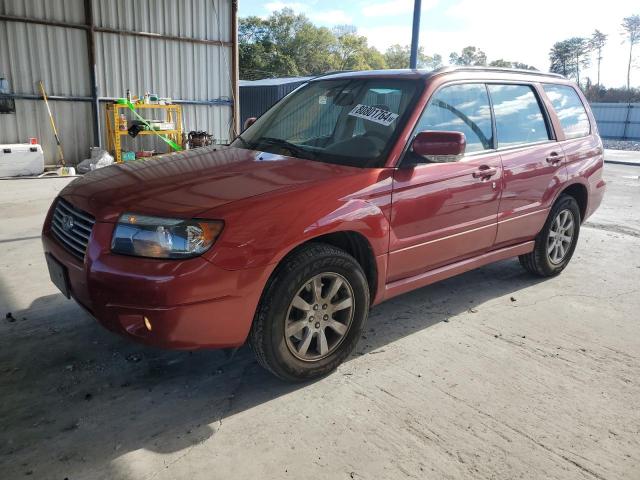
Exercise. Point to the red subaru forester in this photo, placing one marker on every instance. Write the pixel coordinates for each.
(355, 188)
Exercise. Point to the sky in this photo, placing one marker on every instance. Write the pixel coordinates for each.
(511, 30)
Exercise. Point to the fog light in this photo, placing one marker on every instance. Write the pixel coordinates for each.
(147, 323)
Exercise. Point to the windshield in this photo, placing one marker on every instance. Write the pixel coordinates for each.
(346, 121)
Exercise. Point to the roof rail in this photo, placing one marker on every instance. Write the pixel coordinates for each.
(455, 68)
(330, 72)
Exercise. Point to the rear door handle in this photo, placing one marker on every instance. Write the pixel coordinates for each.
(485, 172)
(554, 158)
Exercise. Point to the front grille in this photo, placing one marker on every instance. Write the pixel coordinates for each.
(72, 227)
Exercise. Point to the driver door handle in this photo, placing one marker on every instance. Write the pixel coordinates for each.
(485, 172)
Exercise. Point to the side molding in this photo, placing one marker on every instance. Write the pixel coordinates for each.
(407, 284)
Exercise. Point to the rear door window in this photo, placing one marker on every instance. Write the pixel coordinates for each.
(461, 108)
(519, 118)
(573, 117)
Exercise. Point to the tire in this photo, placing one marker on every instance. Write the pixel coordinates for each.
(546, 260)
(294, 284)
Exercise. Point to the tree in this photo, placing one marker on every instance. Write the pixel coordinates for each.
(569, 56)
(375, 59)
(523, 66)
(279, 45)
(501, 64)
(470, 56)
(432, 62)
(561, 58)
(397, 56)
(352, 52)
(283, 44)
(312, 50)
(506, 64)
(598, 93)
(288, 44)
(252, 49)
(631, 27)
(597, 42)
(580, 49)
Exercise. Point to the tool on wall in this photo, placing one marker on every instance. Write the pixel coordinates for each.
(53, 124)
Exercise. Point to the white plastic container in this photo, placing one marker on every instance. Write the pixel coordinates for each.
(20, 159)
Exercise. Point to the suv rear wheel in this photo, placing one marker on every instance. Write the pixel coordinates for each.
(556, 241)
(311, 313)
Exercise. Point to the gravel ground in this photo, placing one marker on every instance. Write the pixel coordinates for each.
(632, 145)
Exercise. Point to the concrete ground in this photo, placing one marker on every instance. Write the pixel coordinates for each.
(490, 375)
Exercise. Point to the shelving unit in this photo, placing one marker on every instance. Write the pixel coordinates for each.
(173, 113)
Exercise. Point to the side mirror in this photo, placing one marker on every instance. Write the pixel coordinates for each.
(439, 146)
(248, 122)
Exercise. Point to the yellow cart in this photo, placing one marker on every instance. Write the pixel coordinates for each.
(173, 113)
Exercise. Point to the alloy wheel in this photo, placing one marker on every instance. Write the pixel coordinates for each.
(560, 236)
(319, 316)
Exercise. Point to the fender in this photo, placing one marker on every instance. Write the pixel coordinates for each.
(356, 215)
(586, 203)
(261, 231)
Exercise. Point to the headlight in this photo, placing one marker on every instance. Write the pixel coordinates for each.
(156, 237)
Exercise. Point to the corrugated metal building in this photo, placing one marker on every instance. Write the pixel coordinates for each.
(89, 52)
(618, 120)
(256, 96)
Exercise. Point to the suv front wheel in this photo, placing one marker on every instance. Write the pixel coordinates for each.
(556, 241)
(311, 313)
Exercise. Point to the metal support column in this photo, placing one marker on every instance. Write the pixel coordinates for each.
(415, 34)
(91, 51)
(627, 121)
(235, 74)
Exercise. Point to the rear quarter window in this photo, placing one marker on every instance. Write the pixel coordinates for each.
(571, 112)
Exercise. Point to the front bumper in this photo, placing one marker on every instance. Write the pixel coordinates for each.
(190, 304)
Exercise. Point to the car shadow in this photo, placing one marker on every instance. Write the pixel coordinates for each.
(77, 397)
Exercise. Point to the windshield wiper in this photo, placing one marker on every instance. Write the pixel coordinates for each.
(279, 142)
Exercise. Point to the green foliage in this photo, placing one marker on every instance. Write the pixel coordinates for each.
(398, 56)
(470, 56)
(598, 93)
(561, 58)
(523, 66)
(285, 44)
(352, 52)
(631, 29)
(597, 42)
(507, 64)
(569, 57)
(500, 63)
(288, 44)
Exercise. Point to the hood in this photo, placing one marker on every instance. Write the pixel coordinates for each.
(189, 183)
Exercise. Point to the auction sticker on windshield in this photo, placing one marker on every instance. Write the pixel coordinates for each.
(374, 114)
